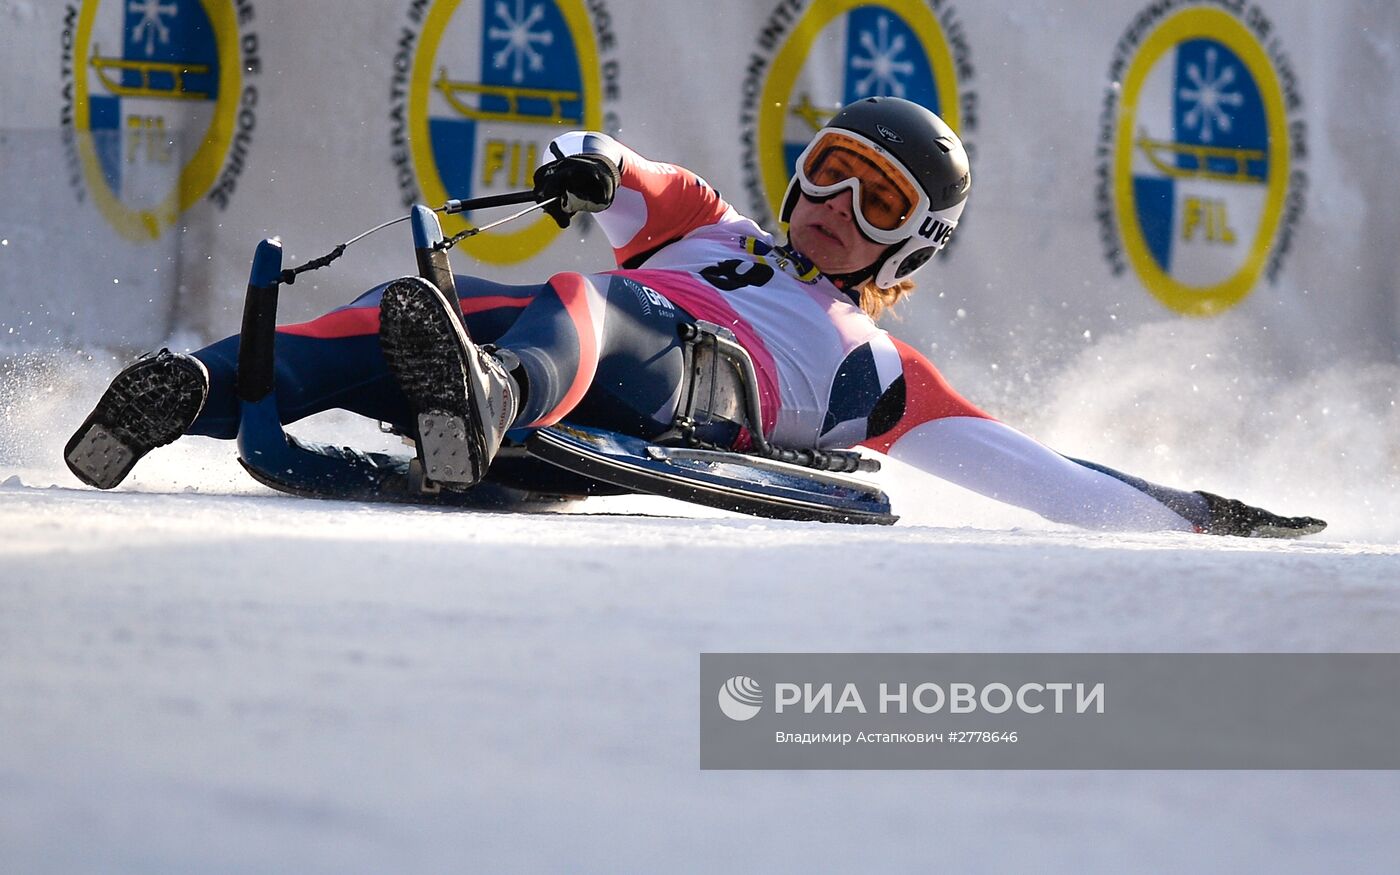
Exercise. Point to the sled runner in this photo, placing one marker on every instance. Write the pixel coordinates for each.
(538, 467)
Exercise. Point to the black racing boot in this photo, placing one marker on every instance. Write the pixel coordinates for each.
(148, 405)
(1231, 517)
(462, 397)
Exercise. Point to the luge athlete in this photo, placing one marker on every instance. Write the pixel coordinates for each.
(874, 196)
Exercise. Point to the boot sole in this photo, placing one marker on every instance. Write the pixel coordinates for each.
(148, 405)
(425, 347)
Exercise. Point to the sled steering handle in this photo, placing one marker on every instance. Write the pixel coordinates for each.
(458, 205)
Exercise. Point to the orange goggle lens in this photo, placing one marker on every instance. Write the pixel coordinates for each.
(887, 194)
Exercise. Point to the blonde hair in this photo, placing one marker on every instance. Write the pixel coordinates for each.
(875, 300)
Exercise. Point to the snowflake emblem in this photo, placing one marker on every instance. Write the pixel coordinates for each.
(1209, 96)
(520, 37)
(151, 23)
(882, 61)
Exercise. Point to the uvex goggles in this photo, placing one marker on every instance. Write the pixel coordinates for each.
(888, 201)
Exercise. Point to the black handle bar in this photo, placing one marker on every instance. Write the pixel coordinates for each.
(491, 200)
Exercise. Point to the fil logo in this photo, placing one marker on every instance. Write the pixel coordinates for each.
(741, 698)
(1202, 151)
(480, 89)
(159, 106)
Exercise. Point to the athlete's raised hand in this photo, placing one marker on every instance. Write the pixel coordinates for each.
(581, 184)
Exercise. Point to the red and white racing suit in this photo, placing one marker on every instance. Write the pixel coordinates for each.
(828, 376)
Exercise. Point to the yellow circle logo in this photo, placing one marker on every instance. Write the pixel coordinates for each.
(1200, 161)
(836, 53)
(490, 84)
(157, 88)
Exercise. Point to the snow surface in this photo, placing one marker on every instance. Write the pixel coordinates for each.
(198, 675)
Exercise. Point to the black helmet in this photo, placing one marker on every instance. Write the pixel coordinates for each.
(904, 144)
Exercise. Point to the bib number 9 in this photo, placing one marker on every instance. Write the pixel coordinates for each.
(734, 274)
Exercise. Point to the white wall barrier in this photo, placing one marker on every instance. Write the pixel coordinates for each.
(1134, 162)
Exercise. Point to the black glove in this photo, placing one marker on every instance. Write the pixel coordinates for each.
(582, 183)
(1231, 517)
